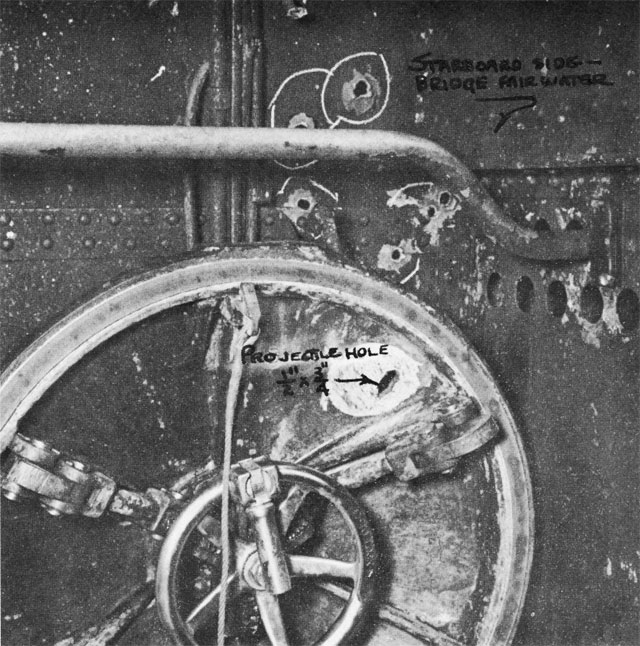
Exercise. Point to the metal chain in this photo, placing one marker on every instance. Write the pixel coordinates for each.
(61, 485)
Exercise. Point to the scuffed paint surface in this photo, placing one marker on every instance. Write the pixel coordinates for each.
(364, 400)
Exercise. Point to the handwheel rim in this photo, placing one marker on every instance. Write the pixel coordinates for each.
(196, 278)
(173, 546)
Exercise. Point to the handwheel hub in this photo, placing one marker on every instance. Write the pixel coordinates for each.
(266, 558)
(252, 572)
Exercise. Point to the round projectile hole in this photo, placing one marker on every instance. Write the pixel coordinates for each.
(574, 225)
(305, 205)
(541, 225)
(628, 309)
(361, 88)
(445, 198)
(395, 254)
(591, 304)
(431, 211)
(557, 298)
(524, 293)
(495, 291)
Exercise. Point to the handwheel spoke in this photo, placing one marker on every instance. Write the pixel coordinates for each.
(117, 621)
(271, 616)
(417, 449)
(313, 566)
(415, 626)
(290, 506)
(367, 436)
(208, 607)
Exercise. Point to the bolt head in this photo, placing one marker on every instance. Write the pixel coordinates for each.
(76, 464)
(13, 491)
(50, 507)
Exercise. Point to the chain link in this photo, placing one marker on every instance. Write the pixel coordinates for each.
(37, 472)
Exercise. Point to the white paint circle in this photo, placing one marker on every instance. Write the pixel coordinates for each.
(340, 118)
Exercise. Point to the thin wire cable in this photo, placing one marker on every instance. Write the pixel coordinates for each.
(239, 337)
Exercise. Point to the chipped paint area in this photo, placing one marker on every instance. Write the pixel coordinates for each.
(608, 570)
(285, 439)
(299, 203)
(630, 570)
(302, 120)
(565, 215)
(574, 283)
(474, 303)
(359, 400)
(435, 207)
(395, 257)
(149, 389)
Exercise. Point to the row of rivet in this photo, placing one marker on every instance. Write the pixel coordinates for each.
(8, 242)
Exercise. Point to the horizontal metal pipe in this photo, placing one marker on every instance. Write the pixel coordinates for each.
(176, 142)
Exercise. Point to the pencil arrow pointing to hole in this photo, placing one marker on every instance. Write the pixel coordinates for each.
(388, 379)
(362, 380)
